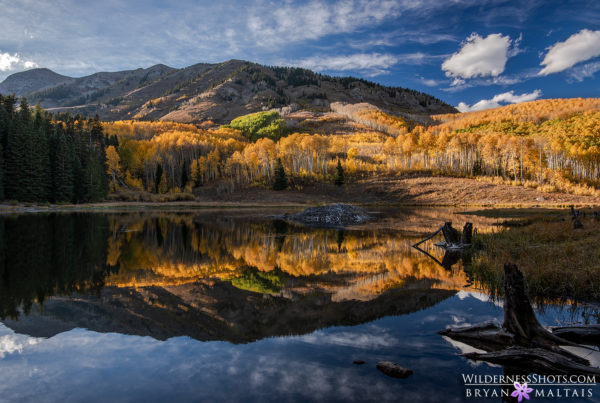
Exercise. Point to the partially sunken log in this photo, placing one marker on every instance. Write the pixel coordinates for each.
(485, 336)
(452, 238)
(522, 339)
(589, 334)
(537, 359)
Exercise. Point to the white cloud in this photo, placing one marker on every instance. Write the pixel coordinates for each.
(579, 47)
(296, 22)
(10, 62)
(11, 342)
(356, 339)
(428, 81)
(480, 57)
(588, 70)
(506, 97)
(515, 49)
(371, 63)
(418, 58)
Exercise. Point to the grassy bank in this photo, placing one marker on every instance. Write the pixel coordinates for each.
(558, 262)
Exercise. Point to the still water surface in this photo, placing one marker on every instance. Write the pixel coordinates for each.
(233, 306)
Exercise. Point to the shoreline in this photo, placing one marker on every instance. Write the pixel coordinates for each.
(6, 209)
(407, 191)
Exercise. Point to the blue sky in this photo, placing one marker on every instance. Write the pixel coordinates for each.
(472, 53)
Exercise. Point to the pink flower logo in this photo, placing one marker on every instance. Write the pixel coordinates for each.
(521, 391)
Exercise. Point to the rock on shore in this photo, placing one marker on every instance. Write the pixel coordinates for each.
(394, 370)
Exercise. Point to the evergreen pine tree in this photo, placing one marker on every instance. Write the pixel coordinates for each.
(1, 172)
(4, 122)
(24, 112)
(338, 179)
(42, 169)
(14, 160)
(92, 179)
(74, 139)
(280, 182)
(77, 170)
(63, 180)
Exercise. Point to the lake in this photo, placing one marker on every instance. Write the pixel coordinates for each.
(219, 305)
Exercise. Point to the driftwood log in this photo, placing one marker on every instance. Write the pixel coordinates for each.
(522, 340)
(452, 238)
(454, 243)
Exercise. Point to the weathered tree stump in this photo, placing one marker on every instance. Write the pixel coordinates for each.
(522, 339)
(575, 217)
(467, 234)
(451, 235)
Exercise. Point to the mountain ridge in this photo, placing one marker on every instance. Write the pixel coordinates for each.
(217, 92)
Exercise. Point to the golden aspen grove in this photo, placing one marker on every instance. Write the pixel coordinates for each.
(552, 145)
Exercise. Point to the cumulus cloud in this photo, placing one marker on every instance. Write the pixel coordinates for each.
(497, 100)
(480, 57)
(579, 47)
(10, 62)
(370, 63)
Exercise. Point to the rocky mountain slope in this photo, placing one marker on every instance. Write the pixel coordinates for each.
(30, 81)
(217, 92)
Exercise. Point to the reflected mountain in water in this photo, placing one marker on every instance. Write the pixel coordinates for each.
(217, 311)
(207, 276)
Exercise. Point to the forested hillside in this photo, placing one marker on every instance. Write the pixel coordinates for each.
(553, 145)
(49, 158)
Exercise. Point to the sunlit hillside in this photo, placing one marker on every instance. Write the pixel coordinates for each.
(553, 145)
(533, 112)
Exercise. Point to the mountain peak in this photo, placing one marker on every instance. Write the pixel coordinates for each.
(27, 81)
(218, 92)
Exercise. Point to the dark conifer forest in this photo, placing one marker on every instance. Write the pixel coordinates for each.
(50, 157)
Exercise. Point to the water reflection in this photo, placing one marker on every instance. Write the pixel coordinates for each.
(42, 256)
(77, 291)
(205, 276)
